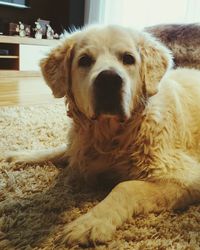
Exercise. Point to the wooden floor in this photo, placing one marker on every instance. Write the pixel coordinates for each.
(25, 91)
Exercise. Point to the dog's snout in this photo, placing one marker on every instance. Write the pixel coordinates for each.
(107, 88)
(108, 79)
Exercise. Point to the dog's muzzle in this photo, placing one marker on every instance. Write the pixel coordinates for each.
(107, 93)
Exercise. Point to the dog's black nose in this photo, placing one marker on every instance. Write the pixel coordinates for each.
(108, 79)
(108, 93)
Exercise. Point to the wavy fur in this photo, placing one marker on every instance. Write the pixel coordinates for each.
(153, 157)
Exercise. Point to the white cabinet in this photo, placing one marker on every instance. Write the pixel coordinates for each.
(23, 55)
(30, 56)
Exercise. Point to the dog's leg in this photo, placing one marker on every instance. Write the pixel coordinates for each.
(37, 156)
(125, 200)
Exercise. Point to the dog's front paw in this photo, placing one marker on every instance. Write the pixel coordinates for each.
(88, 229)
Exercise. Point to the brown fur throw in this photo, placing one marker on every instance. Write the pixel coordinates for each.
(183, 40)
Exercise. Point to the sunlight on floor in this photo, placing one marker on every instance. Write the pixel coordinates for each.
(25, 91)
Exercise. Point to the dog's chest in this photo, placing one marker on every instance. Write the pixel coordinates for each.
(109, 167)
(118, 157)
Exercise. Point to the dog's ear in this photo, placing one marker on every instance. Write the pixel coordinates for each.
(156, 60)
(56, 68)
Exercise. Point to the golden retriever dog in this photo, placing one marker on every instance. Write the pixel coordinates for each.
(135, 122)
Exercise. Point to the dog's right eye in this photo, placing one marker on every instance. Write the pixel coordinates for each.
(85, 61)
(128, 59)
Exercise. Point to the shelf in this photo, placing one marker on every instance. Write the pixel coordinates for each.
(9, 57)
(27, 40)
(23, 55)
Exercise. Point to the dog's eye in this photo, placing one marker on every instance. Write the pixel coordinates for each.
(85, 61)
(128, 59)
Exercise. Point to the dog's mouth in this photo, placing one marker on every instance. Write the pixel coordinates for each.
(108, 108)
(108, 105)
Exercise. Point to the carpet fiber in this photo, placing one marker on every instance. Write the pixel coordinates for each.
(36, 202)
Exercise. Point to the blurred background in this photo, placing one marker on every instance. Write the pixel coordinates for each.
(64, 14)
(142, 13)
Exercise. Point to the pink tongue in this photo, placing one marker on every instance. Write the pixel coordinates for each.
(69, 113)
(115, 118)
(103, 117)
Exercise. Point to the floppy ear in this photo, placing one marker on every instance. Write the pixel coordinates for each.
(156, 60)
(56, 68)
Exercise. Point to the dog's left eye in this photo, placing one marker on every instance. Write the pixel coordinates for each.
(128, 59)
(85, 61)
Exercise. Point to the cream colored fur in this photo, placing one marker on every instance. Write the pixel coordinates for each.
(153, 157)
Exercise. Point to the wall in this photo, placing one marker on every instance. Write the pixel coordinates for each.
(61, 13)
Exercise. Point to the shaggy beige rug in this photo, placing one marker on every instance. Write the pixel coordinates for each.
(36, 202)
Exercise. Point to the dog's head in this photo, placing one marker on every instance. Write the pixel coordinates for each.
(106, 70)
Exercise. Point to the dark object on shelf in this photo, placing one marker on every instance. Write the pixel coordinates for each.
(1, 27)
(4, 52)
(12, 29)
